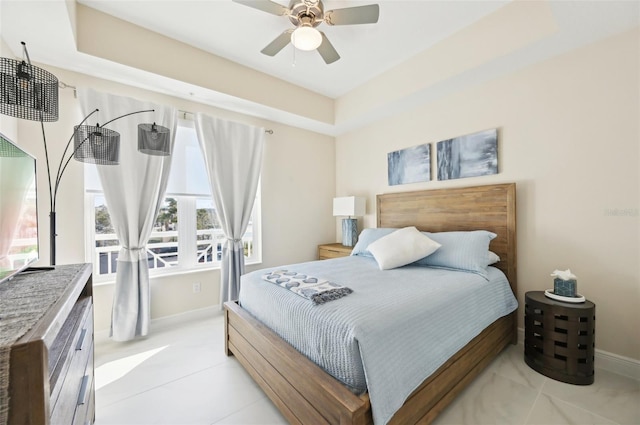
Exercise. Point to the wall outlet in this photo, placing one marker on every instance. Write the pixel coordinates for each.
(196, 287)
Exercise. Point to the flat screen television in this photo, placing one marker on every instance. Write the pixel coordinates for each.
(18, 209)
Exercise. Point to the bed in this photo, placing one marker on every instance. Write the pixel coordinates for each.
(306, 394)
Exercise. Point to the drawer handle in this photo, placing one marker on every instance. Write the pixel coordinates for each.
(83, 390)
(81, 339)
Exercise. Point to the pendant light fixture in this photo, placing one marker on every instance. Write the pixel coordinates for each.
(27, 91)
(154, 139)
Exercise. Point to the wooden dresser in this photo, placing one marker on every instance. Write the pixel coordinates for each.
(51, 365)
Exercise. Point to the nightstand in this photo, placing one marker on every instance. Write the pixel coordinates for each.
(333, 250)
(559, 338)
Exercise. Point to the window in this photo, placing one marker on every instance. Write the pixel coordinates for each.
(186, 235)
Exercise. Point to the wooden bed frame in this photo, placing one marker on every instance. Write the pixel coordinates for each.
(305, 394)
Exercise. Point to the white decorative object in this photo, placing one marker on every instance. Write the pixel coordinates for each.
(349, 206)
(402, 247)
(565, 283)
(577, 299)
(564, 274)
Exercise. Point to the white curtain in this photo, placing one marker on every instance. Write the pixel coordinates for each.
(233, 157)
(134, 191)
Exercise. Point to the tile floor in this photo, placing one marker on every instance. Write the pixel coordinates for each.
(180, 375)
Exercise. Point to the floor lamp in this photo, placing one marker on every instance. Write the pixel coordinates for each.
(349, 206)
(31, 93)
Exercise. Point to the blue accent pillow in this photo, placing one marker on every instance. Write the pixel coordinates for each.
(368, 236)
(467, 251)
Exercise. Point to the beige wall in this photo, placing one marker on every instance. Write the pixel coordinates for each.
(569, 138)
(298, 166)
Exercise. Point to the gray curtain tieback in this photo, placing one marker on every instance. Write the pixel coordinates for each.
(135, 248)
(234, 240)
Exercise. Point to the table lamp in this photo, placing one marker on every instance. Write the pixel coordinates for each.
(349, 206)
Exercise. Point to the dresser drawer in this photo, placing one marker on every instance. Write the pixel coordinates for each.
(334, 250)
(85, 407)
(73, 364)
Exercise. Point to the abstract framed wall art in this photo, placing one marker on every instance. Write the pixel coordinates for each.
(468, 156)
(410, 165)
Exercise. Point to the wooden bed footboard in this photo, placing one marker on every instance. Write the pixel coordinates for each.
(305, 394)
(302, 391)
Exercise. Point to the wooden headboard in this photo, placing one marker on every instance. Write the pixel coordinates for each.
(491, 207)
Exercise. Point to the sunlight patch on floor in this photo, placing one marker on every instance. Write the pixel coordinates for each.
(112, 371)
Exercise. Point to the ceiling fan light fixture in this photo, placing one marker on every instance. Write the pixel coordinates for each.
(306, 38)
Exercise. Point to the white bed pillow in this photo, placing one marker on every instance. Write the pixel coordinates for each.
(493, 258)
(402, 247)
(466, 251)
(368, 236)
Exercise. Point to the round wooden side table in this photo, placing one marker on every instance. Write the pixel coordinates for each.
(559, 338)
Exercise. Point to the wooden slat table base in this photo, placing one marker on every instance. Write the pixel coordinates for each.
(560, 338)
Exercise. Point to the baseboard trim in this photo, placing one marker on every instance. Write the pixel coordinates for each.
(611, 362)
(166, 321)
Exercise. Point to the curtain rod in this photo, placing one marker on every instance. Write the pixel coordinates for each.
(184, 116)
(63, 85)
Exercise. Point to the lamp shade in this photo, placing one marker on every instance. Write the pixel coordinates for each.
(27, 92)
(306, 38)
(154, 139)
(348, 206)
(96, 145)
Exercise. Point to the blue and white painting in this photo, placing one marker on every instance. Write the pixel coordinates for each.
(410, 165)
(468, 156)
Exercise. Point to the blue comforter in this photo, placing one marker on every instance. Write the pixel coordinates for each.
(395, 329)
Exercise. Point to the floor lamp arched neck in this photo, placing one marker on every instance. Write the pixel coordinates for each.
(31, 93)
(92, 144)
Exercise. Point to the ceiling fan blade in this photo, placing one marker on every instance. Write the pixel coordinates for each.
(327, 51)
(353, 15)
(266, 6)
(279, 43)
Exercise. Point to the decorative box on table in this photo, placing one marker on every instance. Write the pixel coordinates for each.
(565, 288)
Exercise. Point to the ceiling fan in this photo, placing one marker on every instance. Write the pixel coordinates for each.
(306, 15)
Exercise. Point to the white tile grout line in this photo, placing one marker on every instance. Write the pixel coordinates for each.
(154, 387)
(541, 392)
(219, 364)
(241, 409)
(584, 410)
(526, 420)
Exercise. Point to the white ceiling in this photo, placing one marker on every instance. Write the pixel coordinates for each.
(238, 33)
